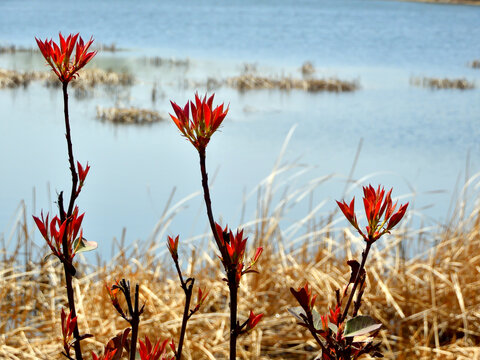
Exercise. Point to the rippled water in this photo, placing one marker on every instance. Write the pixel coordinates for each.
(414, 139)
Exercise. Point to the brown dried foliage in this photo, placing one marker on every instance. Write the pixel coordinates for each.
(428, 304)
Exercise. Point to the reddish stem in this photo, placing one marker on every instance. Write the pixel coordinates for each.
(208, 201)
(233, 287)
(231, 273)
(357, 280)
(187, 287)
(67, 262)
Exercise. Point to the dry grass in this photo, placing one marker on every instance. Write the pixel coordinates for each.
(435, 83)
(428, 304)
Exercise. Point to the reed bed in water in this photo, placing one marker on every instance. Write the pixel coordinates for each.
(130, 115)
(436, 83)
(250, 82)
(13, 79)
(87, 79)
(428, 302)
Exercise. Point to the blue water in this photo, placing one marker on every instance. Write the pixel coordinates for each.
(414, 139)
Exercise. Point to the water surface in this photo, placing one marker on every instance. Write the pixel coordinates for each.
(414, 139)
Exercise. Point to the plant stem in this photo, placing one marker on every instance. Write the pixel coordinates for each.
(231, 272)
(70, 152)
(208, 202)
(357, 280)
(66, 252)
(135, 316)
(188, 297)
(232, 285)
(317, 339)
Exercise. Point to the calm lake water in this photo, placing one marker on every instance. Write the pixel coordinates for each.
(416, 140)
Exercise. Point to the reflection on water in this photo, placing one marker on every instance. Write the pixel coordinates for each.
(414, 139)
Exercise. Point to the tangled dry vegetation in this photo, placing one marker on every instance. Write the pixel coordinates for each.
(435, 83)
(428, 304)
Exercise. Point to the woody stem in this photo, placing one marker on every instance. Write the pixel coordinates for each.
(208, 201)
(233, 287)
(357, 280)
(231, 274)
(188, 289)
(67, 263)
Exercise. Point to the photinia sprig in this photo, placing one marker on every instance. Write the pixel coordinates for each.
(187, 287)
(172, 245)
(201, 296)
(113, 294)
(55, 231)
(253, 320)
(304, 297)
(342, 337)
(233, 248)
(339, 339)
(82, 174)
(379, 211)
(204, 122)
(60, 57)
(63, 233)
(133, 311)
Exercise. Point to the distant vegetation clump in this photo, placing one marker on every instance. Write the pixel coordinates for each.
(128, 115)
(251, 82)
(436, 83)
(13, 79)
(476, 63)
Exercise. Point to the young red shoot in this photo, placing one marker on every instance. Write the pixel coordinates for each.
(60, 57)
(379, 211)
(204, 122)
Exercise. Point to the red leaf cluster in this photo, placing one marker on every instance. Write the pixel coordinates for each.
(234, 252)
(60, 57)
(379, 211)
(204, 122)
(54, 232)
